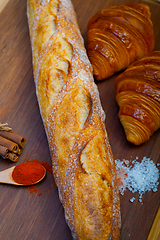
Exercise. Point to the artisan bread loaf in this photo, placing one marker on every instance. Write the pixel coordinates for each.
(83, 164)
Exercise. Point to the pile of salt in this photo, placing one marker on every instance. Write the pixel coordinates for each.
(138, 177)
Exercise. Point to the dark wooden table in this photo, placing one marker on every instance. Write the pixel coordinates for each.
(39, 215)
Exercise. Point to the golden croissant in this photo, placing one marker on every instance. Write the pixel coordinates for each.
(117, 36)
(138, 96)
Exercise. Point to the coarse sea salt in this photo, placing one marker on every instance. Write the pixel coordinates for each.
(137, 177)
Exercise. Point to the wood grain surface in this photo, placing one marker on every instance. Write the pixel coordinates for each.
(27, 215)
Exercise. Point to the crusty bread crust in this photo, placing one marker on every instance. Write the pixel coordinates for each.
(83, 164)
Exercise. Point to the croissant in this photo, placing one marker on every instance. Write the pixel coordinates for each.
(82, 160)
(138, 96)
(117, 36)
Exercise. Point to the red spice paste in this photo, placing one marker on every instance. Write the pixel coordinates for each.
(28, 173)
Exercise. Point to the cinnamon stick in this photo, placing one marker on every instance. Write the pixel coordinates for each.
(13, 147)
(20, 150)
(20, 140)
(4, 151)
(12, 156)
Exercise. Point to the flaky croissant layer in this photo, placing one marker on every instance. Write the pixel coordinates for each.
(138, 96)
(117, 36)
(83, 164)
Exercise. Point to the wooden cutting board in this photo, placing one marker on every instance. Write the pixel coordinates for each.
(37, 213)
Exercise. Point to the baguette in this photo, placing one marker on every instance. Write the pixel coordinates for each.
(83, 164)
